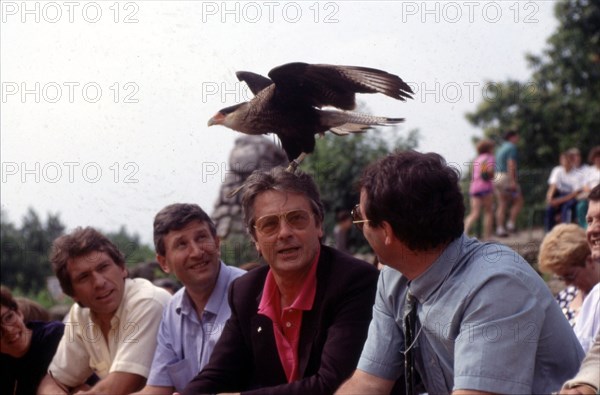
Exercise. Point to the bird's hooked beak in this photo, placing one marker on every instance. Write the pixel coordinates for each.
(217, 119)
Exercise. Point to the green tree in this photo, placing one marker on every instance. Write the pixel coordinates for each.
(130, 245)
(25, 252)
(25, 260)
(558, 107)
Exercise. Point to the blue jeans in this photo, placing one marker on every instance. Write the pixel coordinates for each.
(566, 214)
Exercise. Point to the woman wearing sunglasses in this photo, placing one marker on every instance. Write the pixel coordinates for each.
(566, 254)
(26, 348)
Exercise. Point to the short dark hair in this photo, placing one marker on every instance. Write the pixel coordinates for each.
(7, 300)
(175, 217)
(80, 242)
(594, 195)
(279, 179)
(510, 134)
(593, 153)
(485, 146)
(418, 195)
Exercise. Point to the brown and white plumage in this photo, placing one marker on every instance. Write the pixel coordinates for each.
(290, 103)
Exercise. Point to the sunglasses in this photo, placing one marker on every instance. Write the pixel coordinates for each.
(357, 218)
(268, 225)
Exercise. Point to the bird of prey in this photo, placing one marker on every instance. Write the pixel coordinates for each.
(290, 103)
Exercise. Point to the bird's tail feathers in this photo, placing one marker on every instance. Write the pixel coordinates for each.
(348, 128)
(343, 123)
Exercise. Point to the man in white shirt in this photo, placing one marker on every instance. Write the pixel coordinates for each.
(564, 184)
(111, 330)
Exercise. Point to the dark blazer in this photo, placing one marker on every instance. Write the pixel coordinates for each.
(331, 337)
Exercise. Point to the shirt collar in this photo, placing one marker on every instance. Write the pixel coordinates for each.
(429, 281)
(216, 299)
(305, 299)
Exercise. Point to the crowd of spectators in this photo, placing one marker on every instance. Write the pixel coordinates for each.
(443, 315)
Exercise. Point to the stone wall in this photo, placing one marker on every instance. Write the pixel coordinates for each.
(250, 153)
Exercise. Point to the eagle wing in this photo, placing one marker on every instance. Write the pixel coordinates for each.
(322, 85)
(255, 82)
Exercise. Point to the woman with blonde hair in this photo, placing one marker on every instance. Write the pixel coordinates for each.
(481, 190)
(565, 253)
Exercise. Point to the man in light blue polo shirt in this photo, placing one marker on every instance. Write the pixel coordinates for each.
(187, 245)
(451, 314)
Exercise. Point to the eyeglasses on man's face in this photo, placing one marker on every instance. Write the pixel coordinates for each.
(268, 225)
(9, 318)
(357, 218)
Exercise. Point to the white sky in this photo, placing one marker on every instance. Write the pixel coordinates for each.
(135, 139)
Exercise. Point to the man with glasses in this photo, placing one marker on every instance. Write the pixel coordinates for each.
(297, 326)
(26, 348)
(452, 314)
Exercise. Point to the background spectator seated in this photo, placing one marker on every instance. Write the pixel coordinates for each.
(565, 253)
(563, 185)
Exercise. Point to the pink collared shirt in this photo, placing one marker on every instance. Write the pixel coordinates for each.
(287, 322)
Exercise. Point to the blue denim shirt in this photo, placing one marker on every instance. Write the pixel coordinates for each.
(185, 341)
(488, 322)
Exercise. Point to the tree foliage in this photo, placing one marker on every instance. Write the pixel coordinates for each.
(25, 251)
(131, 246)
(558, 108)
(25, 263)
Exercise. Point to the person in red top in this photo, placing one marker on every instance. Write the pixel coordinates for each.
(298, 324)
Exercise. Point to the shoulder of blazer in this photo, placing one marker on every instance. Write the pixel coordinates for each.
(340, 262)
(339, 273)
(244, 291)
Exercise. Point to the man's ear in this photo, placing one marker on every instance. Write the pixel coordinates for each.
(162, 262)
(257, 246)
(388, 233)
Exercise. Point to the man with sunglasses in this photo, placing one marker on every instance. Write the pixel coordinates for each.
(452, 314)
(297, 326)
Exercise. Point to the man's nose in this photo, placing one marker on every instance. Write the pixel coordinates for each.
(285, 230)
(99, 279)
(197, 249)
